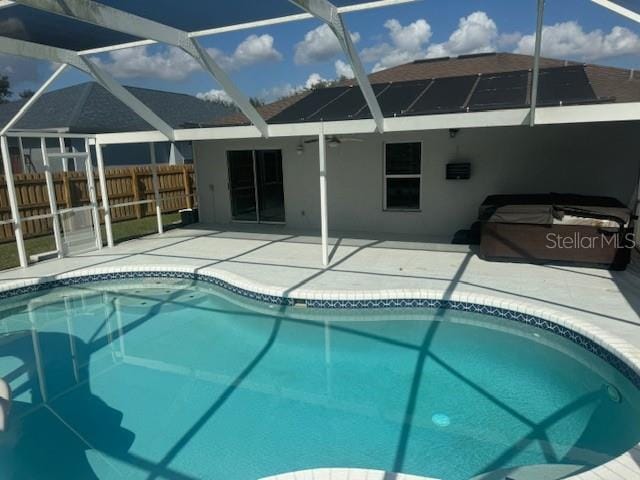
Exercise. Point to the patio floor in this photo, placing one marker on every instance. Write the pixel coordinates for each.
(275, 256)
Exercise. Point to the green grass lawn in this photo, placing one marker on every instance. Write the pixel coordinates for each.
(121, 231)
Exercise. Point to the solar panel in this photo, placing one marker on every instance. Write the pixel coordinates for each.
(558, 85)
(397, 97)
(309, 105)
(500, 90)
(446, 95)
(564, 85)
(348, 106)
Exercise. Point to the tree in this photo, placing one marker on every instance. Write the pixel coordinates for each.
(5, 93)
(26, 94)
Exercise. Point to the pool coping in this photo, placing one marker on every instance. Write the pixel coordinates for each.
(615, 351)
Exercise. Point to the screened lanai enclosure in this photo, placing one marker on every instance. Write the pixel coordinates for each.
(554, 97)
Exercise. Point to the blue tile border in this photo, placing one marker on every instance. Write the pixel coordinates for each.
(527, 319)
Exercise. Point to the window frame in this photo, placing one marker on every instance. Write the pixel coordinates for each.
(386, 176)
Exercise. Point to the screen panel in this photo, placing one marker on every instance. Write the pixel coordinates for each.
(500, 90)
(192, 15)
(309, 105)
(564, 85)
(24, 23)
(446, 95)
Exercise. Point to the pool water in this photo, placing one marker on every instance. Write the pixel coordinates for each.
(173, 379)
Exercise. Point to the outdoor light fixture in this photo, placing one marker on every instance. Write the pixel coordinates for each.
(453, 132)
(300, 149)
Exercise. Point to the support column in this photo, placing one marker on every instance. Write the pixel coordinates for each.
(51, 192)
(22, 158)
(156, 185)
(105, 194)
(63, 149)
(324, 220)
(13, 201)
(93, 198)
(536, 63)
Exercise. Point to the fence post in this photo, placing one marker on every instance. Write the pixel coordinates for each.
(136, 192)
(186, 178)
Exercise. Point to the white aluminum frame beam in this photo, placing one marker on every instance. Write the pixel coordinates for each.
(593, 113)
(619, 9)
(120, 21)
(104, 193)
(324, 210)
(536, 63)
(249, 25)
(93, 197)
(33, 99)
(329, 14)
(23, 48)
(13, 201)
(156, 186)
(51, 193)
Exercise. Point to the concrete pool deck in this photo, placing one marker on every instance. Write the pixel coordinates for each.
(277, 261)
(290, 262)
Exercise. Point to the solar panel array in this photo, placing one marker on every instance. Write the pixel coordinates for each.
(557, 86)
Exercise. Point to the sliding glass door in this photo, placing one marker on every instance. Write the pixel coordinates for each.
(256, 187)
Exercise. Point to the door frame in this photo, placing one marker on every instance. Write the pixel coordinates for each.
(255, 189)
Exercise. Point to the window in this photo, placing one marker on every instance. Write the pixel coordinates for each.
(402, 176)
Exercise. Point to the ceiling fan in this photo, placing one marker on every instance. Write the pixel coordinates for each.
(334, 141)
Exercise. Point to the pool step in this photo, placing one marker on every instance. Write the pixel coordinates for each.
(533, 472)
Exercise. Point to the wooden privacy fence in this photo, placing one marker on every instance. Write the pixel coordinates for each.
(124, 185)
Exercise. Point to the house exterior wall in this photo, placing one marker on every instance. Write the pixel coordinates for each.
(594, 159)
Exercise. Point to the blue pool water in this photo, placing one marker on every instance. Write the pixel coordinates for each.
(172, 379)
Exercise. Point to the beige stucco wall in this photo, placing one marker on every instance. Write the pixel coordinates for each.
(597, 159)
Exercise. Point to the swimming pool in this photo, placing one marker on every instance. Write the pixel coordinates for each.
(159, 378)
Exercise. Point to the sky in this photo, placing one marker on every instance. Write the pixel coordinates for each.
(275, 61)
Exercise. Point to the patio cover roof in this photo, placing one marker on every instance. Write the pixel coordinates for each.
(197, 17)
(85, 27)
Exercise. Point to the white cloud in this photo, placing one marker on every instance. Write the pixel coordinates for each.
(167, 64)
(343, 69)
(313, 80)
(476, 33)
(215, 95)
(172, 64)
(411, 37)
(319, 45)
(569, 40)
(287, 89)
(252, 50)
(406, 44)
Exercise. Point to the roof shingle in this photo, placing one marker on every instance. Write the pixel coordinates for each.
(89, 108)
